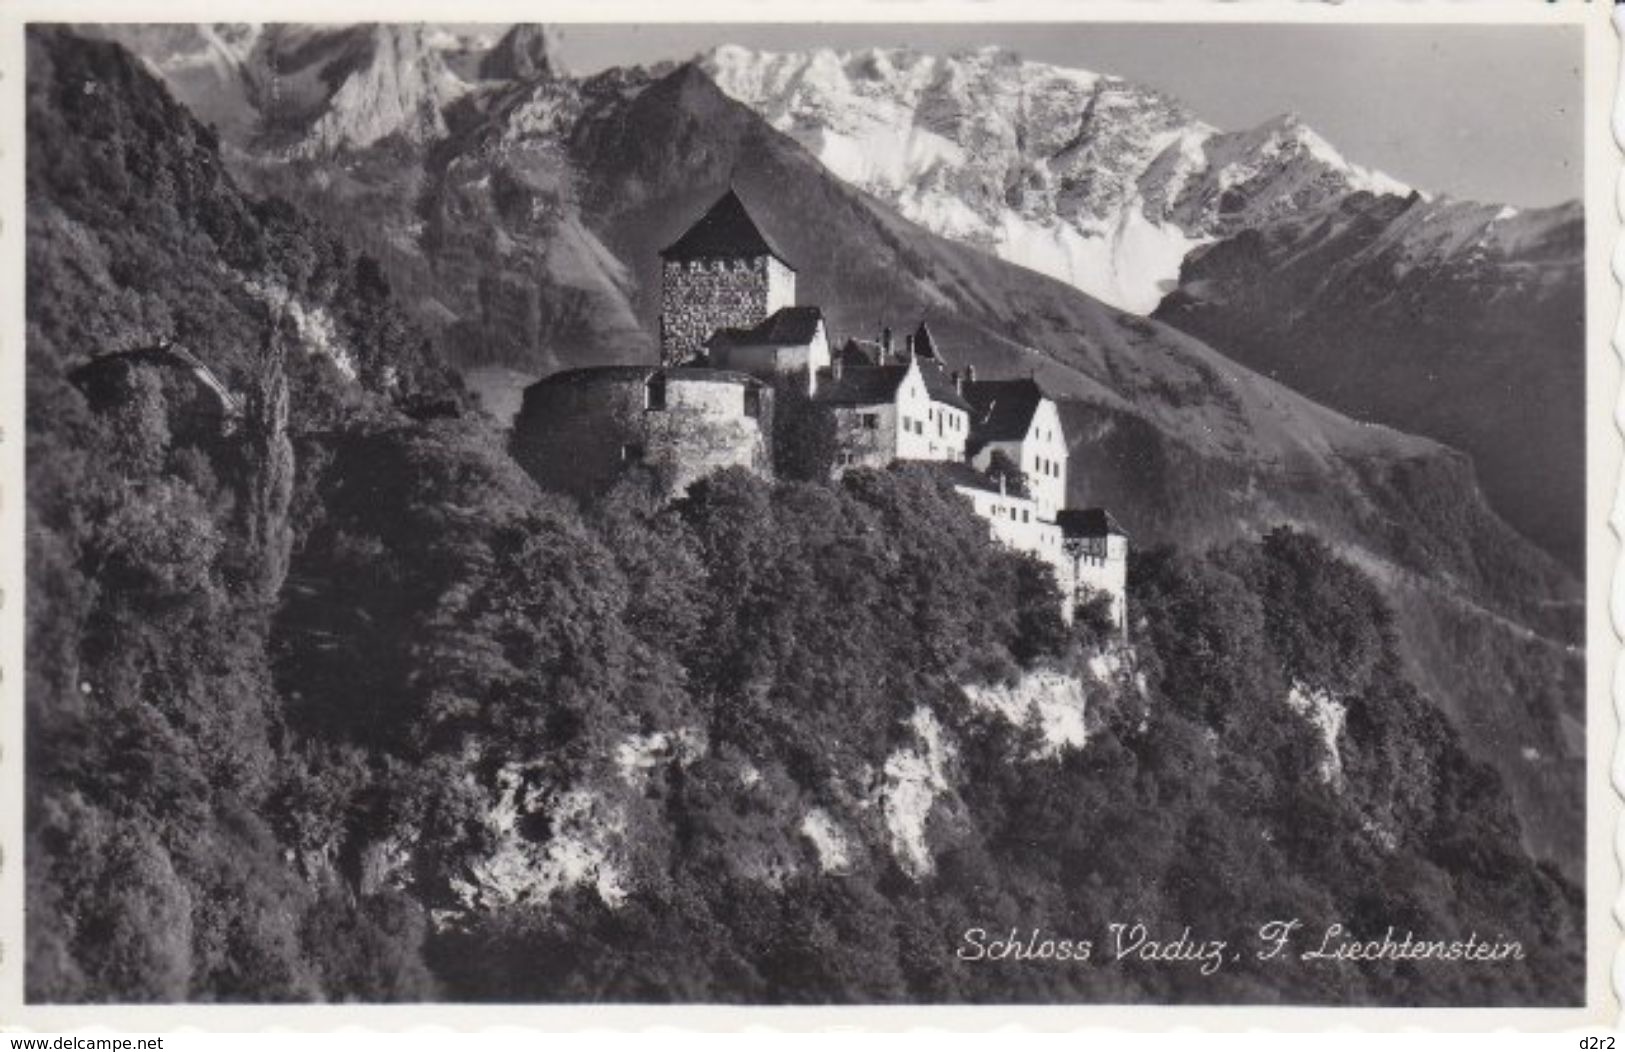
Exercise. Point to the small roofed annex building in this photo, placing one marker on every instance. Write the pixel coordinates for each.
(790, 342)
(1097, 554)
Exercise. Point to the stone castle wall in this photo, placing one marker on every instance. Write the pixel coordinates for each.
(700, 296)
(581, 437)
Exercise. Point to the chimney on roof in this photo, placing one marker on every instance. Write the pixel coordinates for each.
(908, 344)
(835, 366)
(970, 374)
(959, 381)
(1001, 485)
(885, 344)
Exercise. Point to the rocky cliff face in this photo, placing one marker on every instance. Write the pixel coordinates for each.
(525, 52)
(312, 90)
(1093, 180)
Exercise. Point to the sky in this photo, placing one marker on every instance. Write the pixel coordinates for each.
(1490, 113)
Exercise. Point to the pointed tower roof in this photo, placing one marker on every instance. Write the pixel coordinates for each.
(925, 345)
(727, 231)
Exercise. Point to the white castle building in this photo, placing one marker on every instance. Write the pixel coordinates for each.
(728, 309)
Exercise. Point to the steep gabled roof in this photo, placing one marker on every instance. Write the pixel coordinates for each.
(940, 386)
(1001, 410)
(726, 231)
(1088, 522)
(925, 345)
(863, 385)
(787, 326)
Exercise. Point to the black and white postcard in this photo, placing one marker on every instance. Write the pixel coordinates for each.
(1066, 514)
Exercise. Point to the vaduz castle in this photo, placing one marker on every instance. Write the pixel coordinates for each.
(731, 331)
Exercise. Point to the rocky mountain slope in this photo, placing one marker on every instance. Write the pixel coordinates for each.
(1456, 320)
(303, 90)
(1090, 179)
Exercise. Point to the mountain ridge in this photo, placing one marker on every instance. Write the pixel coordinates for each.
(1450, 318)
(1088, 178)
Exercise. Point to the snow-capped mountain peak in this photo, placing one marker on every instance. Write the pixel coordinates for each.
(1088, 178)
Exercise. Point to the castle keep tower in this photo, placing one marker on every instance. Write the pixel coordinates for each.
(722, 274)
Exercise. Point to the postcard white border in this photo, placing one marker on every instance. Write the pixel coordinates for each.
(1605, 587)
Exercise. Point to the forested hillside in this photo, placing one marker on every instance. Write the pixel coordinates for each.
(335, 704)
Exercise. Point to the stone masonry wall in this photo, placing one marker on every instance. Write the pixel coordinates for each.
(698, 297)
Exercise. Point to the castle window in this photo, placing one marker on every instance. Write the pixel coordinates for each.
(753, 401)
(1025, 516)
(870, 421)
(654, 393)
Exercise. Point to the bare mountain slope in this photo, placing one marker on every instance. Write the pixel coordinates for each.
(1457, 320)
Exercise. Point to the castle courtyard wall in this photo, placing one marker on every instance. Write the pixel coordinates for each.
(581, 437)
